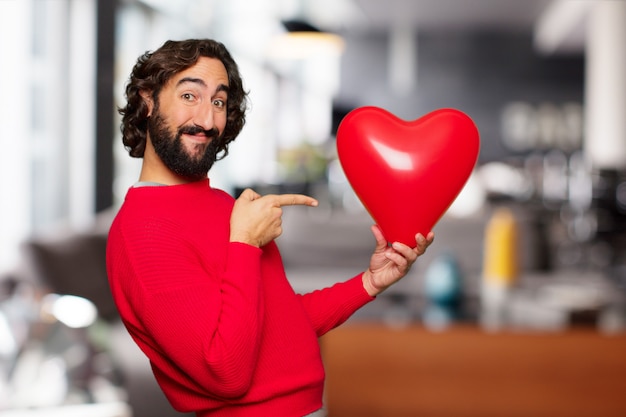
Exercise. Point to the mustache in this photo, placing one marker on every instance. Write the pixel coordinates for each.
(195, 129)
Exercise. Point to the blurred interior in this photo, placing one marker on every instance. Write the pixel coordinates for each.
(517, 309)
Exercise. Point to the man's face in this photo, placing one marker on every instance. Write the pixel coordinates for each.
(189, 117)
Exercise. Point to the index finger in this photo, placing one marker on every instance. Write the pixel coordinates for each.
(295, 200)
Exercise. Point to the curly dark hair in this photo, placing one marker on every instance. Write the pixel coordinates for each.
(154, 69)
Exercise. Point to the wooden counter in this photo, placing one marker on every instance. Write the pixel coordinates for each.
(376, 371)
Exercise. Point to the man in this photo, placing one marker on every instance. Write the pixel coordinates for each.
(196, 275)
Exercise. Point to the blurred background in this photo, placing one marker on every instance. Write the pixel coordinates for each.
(532, 249)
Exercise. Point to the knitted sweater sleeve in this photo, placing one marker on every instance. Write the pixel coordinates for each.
(329, 307)
(200, 326)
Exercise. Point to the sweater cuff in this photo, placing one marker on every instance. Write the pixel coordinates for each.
(360, 294)
(242, 258)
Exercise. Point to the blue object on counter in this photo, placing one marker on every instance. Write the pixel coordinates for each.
(443, 281)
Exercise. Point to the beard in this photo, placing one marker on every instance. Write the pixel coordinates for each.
(171, 150)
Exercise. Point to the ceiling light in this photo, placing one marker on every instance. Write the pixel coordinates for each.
(303, 40)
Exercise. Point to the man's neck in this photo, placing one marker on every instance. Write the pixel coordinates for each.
(159, 176)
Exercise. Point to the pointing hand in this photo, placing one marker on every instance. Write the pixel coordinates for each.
(257, 220)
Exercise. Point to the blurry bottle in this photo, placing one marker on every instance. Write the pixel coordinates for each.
(500, 268)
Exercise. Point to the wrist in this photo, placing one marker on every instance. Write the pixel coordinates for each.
(368, 285)
(243, 238)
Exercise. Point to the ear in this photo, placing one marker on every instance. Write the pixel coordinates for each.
(147, 98)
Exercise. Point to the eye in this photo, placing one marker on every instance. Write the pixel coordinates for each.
(219, 103)
(188, 97)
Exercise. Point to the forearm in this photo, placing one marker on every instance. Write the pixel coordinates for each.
(330, 307)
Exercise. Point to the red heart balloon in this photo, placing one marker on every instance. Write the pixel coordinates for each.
(407, 173)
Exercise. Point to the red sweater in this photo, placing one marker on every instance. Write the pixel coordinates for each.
(224, 331)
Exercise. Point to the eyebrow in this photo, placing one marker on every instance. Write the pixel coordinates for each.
(199, 81)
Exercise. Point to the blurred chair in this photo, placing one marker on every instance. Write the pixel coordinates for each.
(74, 263)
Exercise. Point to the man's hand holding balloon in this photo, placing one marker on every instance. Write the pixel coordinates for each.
(389, 264)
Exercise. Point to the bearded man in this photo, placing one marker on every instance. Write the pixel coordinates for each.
(196, 275)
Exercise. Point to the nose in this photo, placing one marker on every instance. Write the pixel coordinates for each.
(204, 117)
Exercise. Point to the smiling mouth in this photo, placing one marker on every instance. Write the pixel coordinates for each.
(198, 137)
